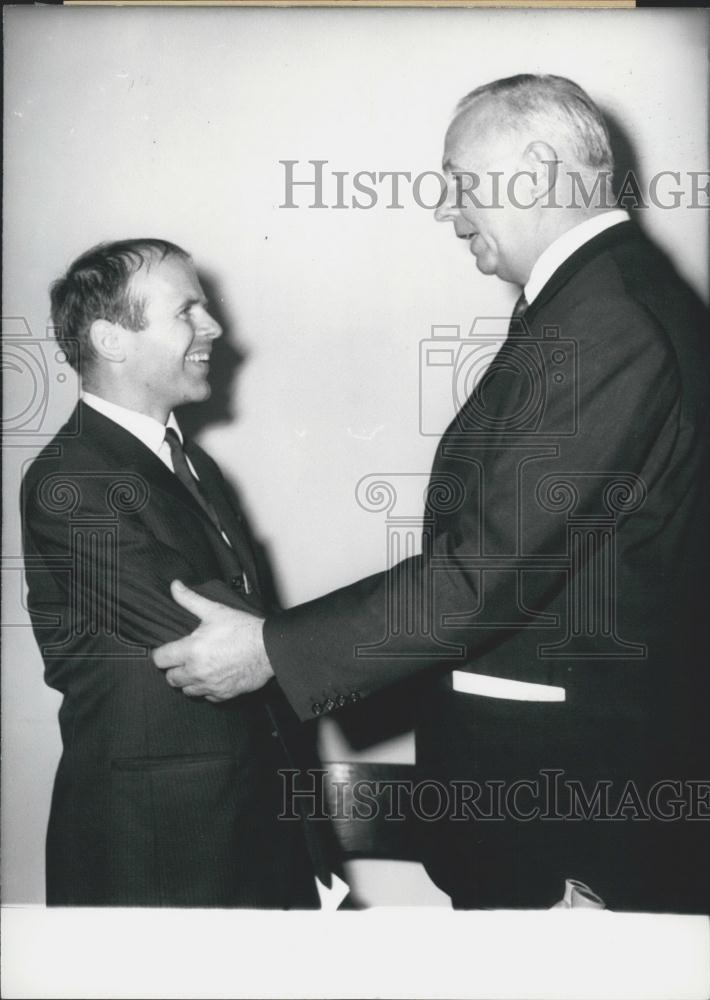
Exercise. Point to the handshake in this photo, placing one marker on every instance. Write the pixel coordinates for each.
(223, 658)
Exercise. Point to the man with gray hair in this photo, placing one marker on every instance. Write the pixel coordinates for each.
(550, 144)
(556, 603)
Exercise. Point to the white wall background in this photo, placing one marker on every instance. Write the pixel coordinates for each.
(171, 123)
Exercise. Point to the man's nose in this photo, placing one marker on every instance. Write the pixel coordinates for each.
(448, 210)
(209, 327)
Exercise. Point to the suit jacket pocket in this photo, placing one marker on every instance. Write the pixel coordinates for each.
(167, 763)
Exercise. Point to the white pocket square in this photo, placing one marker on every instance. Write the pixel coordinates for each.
(502, 687)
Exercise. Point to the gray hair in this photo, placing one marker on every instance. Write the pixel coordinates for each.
(556, 105)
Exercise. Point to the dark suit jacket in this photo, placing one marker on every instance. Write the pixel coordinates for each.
(566, 544)
(159, 799)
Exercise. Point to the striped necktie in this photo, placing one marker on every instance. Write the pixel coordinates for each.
(191, 484)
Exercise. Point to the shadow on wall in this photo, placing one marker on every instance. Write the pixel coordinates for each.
(627, 183)
(227, 359)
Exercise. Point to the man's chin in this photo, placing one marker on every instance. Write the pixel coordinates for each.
(197, 394)
(485, 265)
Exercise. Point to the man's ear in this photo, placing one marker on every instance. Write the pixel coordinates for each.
(541, 159)
(107, 340)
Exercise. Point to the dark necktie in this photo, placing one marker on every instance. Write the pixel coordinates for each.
(182, 471)
(516, 326)
(520, 306)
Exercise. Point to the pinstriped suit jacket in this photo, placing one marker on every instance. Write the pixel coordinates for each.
(568, 545)
(159, 799)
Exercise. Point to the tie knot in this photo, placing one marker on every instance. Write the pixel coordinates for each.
(520, 306)
(179, 459)
(173, 439)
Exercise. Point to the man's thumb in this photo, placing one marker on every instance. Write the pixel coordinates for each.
(188, 599)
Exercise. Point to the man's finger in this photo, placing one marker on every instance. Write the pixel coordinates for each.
(193, 690)
(172, 654)
(200, 606)
(176, 677)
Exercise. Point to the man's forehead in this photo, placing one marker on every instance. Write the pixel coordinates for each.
(464, 133)
(172, 275)
(476, 132)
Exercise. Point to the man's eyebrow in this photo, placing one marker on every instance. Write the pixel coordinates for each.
(188, 303)
(448, 166)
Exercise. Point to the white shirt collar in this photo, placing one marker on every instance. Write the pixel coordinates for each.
(564, 246)
(148, 430)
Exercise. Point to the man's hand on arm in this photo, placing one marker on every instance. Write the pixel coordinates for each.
(223, 658)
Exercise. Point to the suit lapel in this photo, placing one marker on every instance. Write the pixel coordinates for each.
(122, 450)
(229, 516)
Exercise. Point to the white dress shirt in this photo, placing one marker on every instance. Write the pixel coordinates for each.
(564, 246)
(148, 430)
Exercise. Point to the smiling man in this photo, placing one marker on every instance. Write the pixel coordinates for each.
(159, 800)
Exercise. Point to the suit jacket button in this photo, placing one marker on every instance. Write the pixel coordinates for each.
(316, 708)
(237, 582)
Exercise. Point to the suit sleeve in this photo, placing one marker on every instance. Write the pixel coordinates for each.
(628, 409)
(97, 589)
